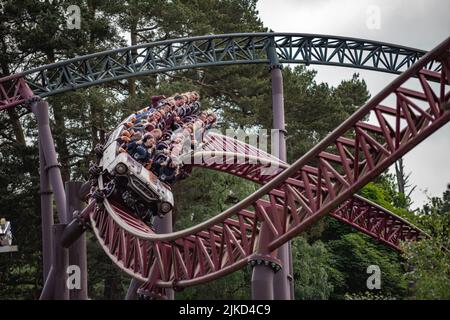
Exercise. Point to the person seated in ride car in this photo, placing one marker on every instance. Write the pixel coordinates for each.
(123, 140)
(157, 134)
(177, 123)
(169, 114)
(195, 107)
(194, 96)
(142, 150)
(179, 100)
(153, 120)
(176, 145)
(186, 97)
(142, 115)
(156, 100)
(200, 125)
(210, 121)
(140, 125)
(136, 136)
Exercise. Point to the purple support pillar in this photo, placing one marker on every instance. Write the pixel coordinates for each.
(164, 225)
(46, 216)
(51, 171)
(46, 195)
(132, 289)
(283, 285)
(40, 109)
(60, 264)
(77, 251)
(47, 291)
(263, 275)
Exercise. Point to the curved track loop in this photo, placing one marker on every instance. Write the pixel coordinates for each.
(316, 184)
(213, 50)
(252, 164)
(127, 240)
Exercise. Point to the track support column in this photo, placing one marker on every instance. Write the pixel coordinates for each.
(77, 251)
(47, 145)
(265, 265)
(55, 286)
(132, 289)
(46, 215)
(45, 192)
(40, 110)
(283, 284)
(164, 225)
(60, 264)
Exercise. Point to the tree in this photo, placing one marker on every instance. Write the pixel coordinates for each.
(428, 260)
(312, 280)
(404, 186)
(33, 33)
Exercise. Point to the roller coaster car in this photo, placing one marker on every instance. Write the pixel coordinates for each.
(138, 185)
(5, 233)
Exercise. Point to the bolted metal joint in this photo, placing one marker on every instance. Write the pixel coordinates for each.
(94, 171)
(273, 58)
(56, 165)
(98, 196)
(176, 287)
(32, 100)
(267, 260)
(82, 219)
(275, 66)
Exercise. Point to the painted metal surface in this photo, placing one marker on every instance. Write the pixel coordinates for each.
(205, 51)
(321, 182)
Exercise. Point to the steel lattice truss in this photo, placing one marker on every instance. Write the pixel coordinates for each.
(214, 50)
(321, 182)
(250, 163)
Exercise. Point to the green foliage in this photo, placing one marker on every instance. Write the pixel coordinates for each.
(430, 269)
(428, 260)
(205, 194)
(312, 270)
(367, 296)
(353, 253)
(381, 193)
(20, 272)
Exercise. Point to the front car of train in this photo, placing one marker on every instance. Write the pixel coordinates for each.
(141, 158)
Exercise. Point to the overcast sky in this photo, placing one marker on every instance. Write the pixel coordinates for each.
(416, 23)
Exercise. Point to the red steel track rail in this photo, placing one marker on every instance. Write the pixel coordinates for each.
(321, 181)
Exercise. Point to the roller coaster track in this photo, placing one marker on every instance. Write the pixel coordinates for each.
(291, 198)
(250, 163)
(206, 51)
(321, 182)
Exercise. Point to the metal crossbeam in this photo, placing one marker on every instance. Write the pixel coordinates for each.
(206, 51)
